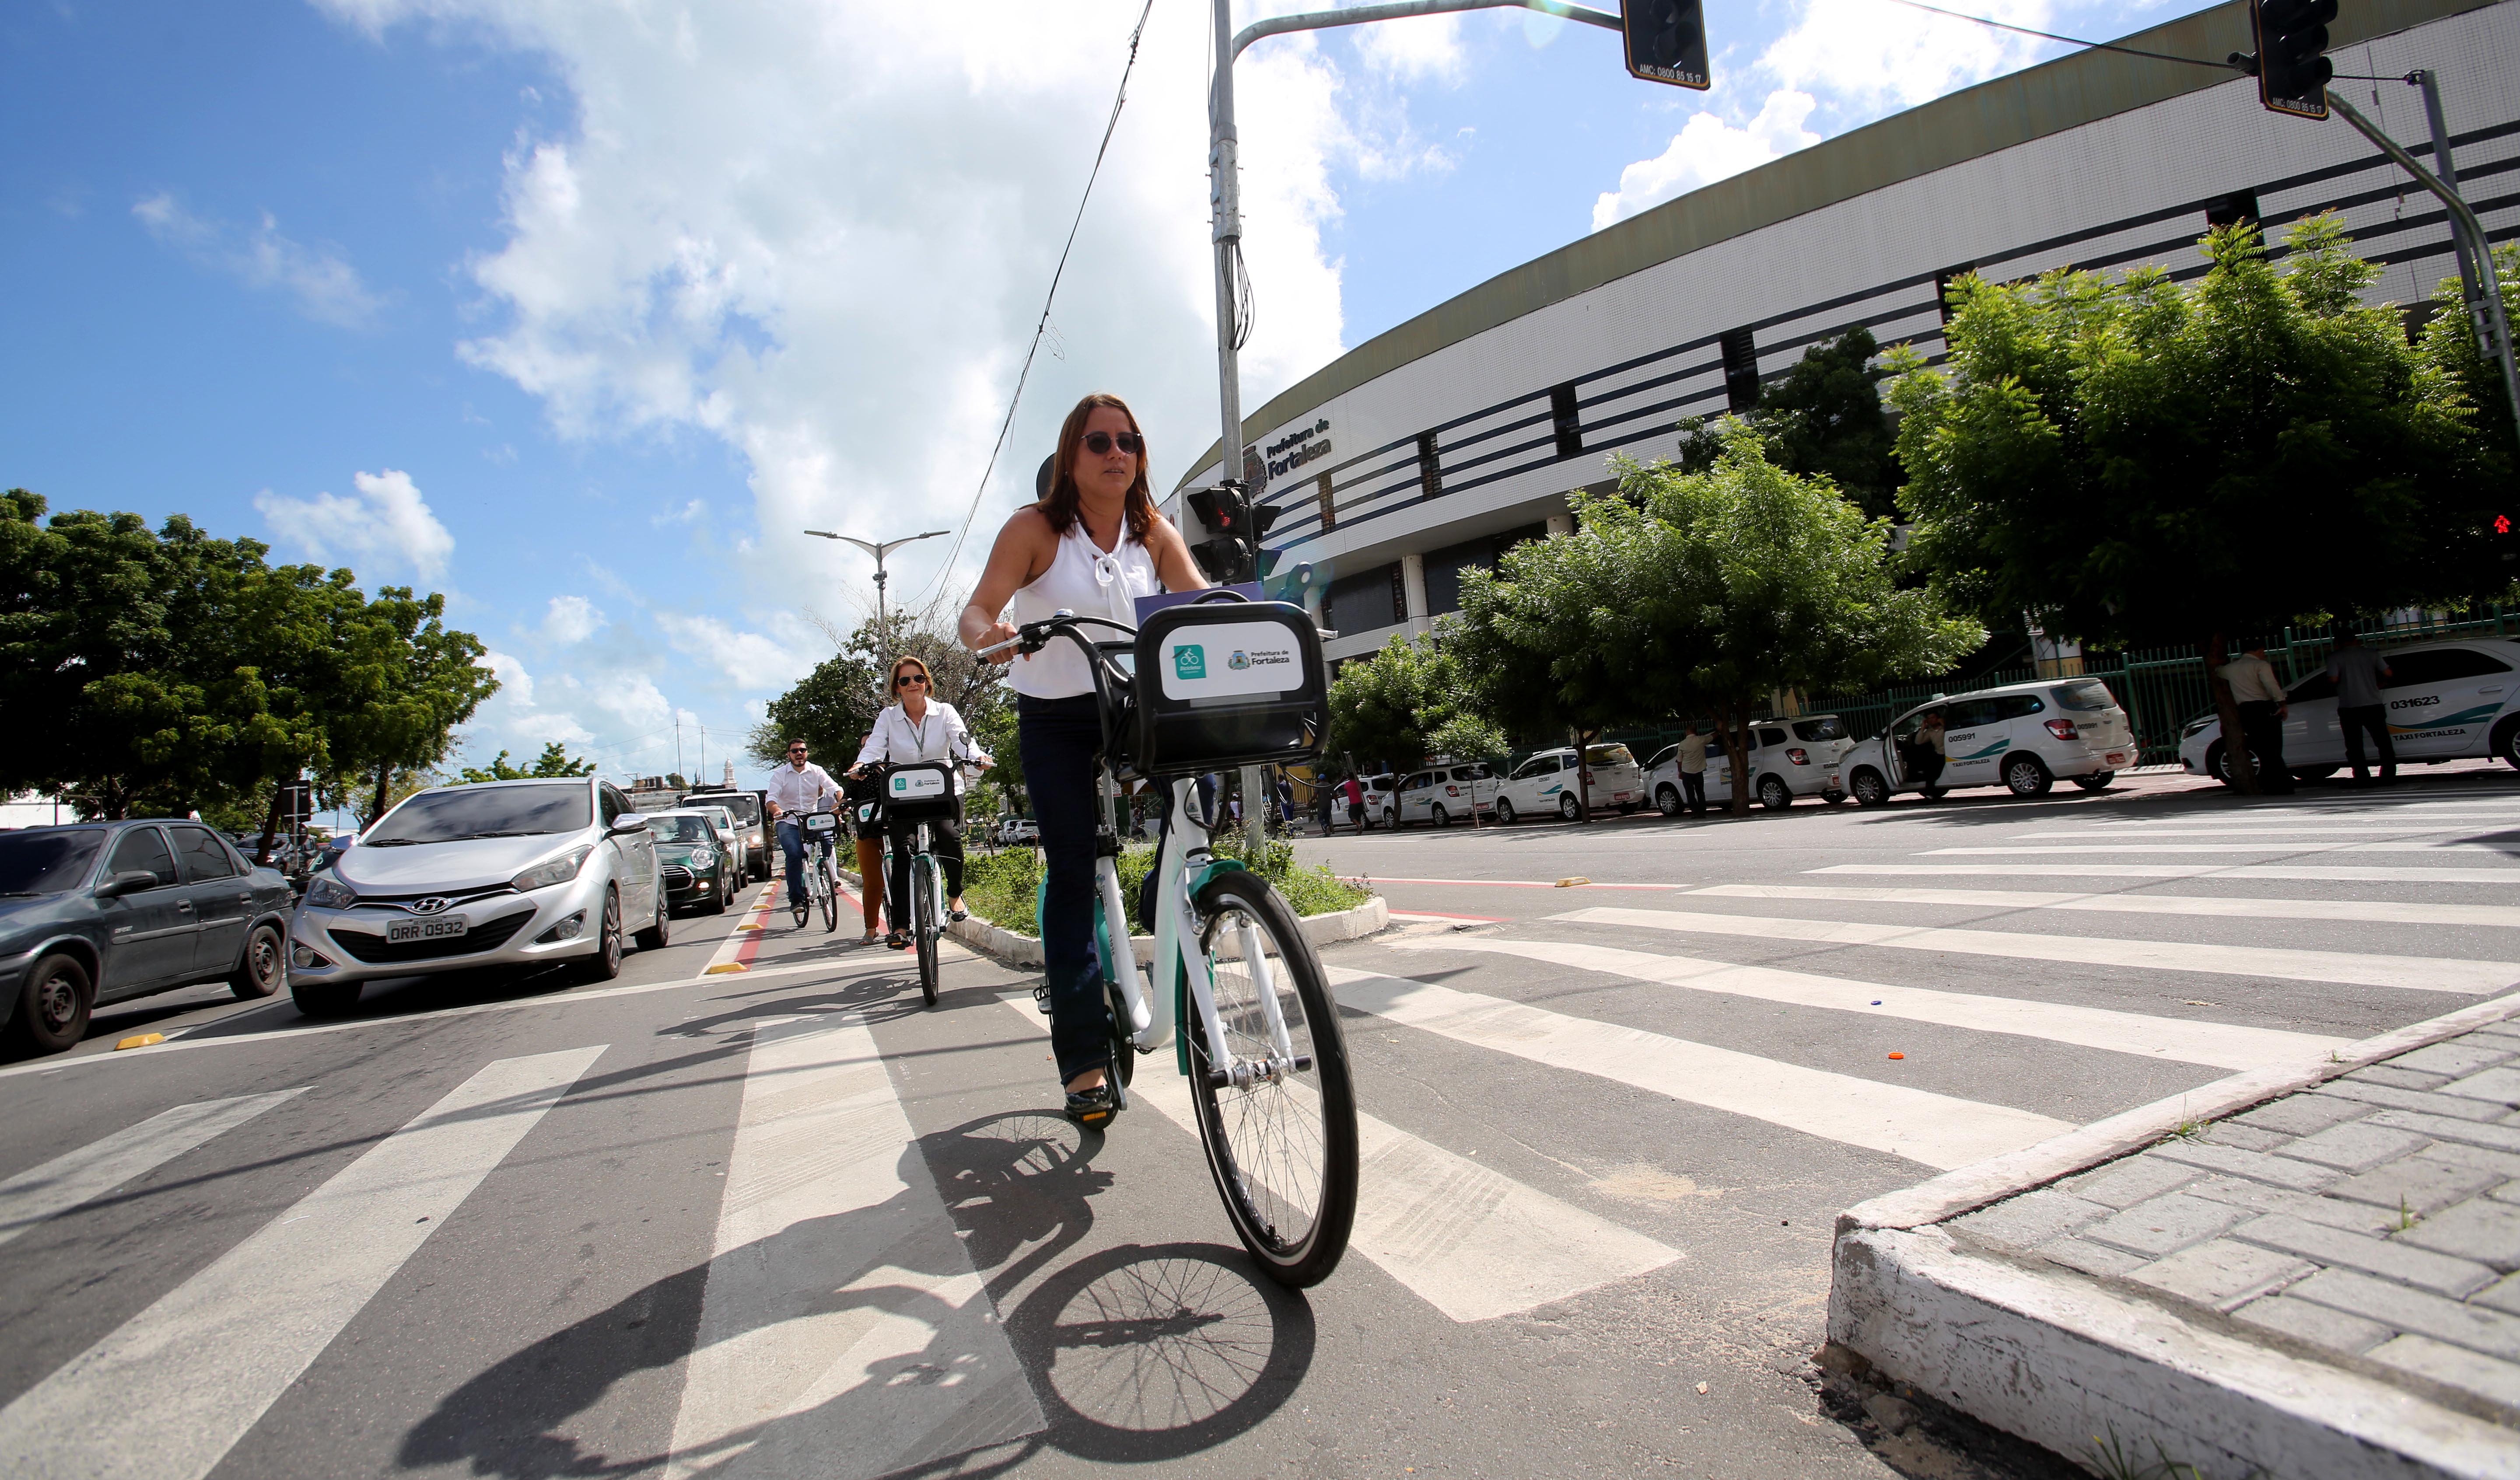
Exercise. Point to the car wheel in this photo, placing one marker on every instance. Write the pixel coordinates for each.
(1443, 819)
(721, 896)
(1869, 786)
(264, 968)
(660, 934)
(605, 964)
(1507, 815)
(2218, 765)
(52, 1007)
(1774, 793)
(324, 999)
(1391, 819)
(2507, 740)
(1668, 800)
(2098, 781)
(2026, 776)
(1568, 808)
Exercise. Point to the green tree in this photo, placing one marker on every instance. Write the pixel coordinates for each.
(1823, 420)
(1404, 703)
(1687, 594)
(407, 681)
(2133, 463)
(2450, 346)
(554, 761)
(834, 707)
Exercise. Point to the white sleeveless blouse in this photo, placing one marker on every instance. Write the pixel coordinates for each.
(1089, 582)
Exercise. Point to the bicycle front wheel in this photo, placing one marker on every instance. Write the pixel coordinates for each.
(827, 895)
(1283, 1148)
(924, 887)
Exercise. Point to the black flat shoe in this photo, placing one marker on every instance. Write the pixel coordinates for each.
(1094, 1107)
(957, 917)
(897, 941)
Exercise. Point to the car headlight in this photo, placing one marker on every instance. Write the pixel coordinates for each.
(329, 893)
(702, 858)
(557, 871)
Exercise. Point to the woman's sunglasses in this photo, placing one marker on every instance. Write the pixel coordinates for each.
(908, 678)
(1100, 443)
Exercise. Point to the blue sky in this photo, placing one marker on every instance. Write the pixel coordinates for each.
(578, 310)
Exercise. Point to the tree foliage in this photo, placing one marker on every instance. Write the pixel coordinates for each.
(1406, 702)
(167, 671)
(834, 707)
(554, 761)
(1824, 419)
(1687, 594)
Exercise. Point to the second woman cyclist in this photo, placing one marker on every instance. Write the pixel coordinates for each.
(917, 728)
(1093, 547)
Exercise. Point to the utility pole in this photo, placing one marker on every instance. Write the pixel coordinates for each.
(883, 628)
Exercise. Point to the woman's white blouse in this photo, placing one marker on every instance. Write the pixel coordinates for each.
(937, 735)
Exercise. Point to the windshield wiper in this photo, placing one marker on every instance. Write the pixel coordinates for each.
(20, 894)
(391, 842)
(529, 833)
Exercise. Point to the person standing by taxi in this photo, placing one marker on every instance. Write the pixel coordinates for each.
(1693, 769)
(2261, 700)
(2358, 671)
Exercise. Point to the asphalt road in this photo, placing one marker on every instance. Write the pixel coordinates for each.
(786, 1222)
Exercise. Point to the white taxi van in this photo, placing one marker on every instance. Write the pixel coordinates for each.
(1550, 781)
(1789, 758)
(1442, 795)
(2024, 737)
(2447, 700)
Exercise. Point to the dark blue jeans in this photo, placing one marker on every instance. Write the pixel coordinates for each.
(1057, 738)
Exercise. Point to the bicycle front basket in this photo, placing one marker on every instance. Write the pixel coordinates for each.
(923, 793)
(1228, 684)
(817, 823)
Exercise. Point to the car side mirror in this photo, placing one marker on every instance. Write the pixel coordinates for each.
(629, 822)
(128, 881)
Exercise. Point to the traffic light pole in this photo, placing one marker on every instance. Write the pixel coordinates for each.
(1225, 203)
(2463, 222)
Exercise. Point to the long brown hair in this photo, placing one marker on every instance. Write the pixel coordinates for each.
(1061, 507)
(912, 660)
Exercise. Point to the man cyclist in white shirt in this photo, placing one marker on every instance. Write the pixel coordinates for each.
(800, 787)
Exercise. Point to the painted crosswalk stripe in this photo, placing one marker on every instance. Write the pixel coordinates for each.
(2346, 830)
(2298, 873)
(2301, 847)
(843, 1330)
(80, 1177)
(214, 1353)
(1464, 1237)
(2226, 1045)
(2417, 974)
(1937, 1130)
(2375, 911)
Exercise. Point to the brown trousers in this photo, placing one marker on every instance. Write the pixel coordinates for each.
(871, 881)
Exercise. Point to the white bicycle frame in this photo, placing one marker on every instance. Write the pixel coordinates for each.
(1184, 849)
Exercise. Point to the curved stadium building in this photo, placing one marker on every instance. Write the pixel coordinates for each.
(1428, 449)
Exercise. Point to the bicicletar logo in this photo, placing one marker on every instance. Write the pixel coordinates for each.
(1190, 660)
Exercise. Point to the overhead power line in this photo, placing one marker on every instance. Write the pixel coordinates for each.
(2097, 46)
(1109, 127)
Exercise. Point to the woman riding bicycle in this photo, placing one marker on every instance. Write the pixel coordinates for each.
(1093, 546)
(918, 728)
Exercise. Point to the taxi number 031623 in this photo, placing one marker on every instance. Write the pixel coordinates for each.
(401, 930)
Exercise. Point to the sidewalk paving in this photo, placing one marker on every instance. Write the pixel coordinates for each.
(2311, 1270)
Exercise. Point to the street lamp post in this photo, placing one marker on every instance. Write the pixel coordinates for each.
(883, 629)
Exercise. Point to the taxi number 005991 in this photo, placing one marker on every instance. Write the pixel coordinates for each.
(401, 930)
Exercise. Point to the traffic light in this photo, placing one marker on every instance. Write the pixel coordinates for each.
(1235, 524)
(2292, 71)
(1667, 41)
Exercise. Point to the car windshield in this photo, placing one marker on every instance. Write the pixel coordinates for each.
(680, 829)
(2088, 694)
(1609, 755)
(1828, 727)
(468, 812)
(46, 862)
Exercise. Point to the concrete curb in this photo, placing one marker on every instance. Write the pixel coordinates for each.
(2064, 1359)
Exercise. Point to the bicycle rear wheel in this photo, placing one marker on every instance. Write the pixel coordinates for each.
(923, 885)
(827, 894)
(1284, 1151)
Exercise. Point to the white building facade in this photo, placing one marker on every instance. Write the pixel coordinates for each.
(1428, 449)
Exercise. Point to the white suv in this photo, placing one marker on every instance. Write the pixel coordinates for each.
(1789, 758)
(1549, 782)
(2021, 737)
(2447, 701)
(1440, 794)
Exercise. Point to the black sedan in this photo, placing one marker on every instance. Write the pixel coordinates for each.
(99, 913)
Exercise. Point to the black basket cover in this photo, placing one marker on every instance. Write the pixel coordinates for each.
(919, 792)
(1228, 684)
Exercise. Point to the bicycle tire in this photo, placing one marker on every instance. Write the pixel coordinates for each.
(922, 888)
(1124, 1048)
(827, 894)
(1284, 1155)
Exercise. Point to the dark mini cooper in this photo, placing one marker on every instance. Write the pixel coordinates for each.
(99, 913)
(693, 862)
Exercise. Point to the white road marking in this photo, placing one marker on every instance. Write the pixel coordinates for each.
(2381, 875)
(213, 1354)
(2375, 910)
(843, 1332)
(76, 1178)
(1467, 1239)
(2346, 830)
(2387, 847)
(2418, 973)
(2226, 1046)
(1936, 1130)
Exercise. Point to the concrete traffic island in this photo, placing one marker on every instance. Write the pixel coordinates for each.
(2305, 1270)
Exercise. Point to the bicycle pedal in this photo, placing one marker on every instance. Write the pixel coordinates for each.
(1041, 997)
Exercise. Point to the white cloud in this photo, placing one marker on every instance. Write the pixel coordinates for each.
(326, 288)
(1707, 149)
(1420, 48)
(571, 621)
(516, 685)
(839, 276)
(748, 659)
(387, 525)
(1868, 58)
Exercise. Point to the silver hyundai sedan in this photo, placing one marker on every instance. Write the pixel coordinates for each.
(493, 874)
